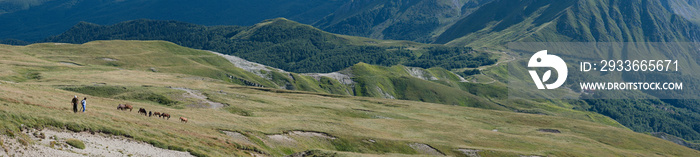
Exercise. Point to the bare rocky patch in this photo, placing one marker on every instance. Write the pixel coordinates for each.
(238, 137)
(53, 143)
(108, 59)
(249, 66)
(425, 149)
(420, 73)
(310, 134)
(343, 77)
(282, 139)
(70, 63)
(287, 138)
(386, 95)
(470, 152)
(549, 130)
(203, 100)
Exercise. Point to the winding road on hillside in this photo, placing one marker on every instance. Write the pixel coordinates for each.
(505, 58)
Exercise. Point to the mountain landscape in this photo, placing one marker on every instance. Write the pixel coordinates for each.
(481, 23)
(332, 78)
(263, 121)
(32, 20)
(283, 44)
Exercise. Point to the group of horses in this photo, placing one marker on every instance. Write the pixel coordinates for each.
(163, 115)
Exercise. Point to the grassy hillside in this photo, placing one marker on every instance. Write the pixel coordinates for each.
(434, 85)
(170, 58)
(38, 81)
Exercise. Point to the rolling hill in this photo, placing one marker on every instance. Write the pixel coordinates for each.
(39, 80)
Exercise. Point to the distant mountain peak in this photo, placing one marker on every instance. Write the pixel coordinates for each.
(576, 20)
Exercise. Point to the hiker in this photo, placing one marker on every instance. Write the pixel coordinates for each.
(75, 104)
(84, 102)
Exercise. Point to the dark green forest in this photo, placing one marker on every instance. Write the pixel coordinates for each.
(280, 43)
(675, 117)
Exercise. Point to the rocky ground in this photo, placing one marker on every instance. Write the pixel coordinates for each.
(47, 142)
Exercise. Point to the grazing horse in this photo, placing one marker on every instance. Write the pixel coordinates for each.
(164, 115)
(183, 119)
(142, 110)
(124, 107)
(156, 114)
(150, 113)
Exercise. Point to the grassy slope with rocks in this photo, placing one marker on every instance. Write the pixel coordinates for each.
(357, 125)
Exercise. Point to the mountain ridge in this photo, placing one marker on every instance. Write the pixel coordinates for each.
(31, 21)
(415, 20)
(573, 21)
(441, 21)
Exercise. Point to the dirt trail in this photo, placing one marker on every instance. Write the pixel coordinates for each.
(506, 56)
(202, 99)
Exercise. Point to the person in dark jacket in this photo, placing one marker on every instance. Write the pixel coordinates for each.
(75, 104)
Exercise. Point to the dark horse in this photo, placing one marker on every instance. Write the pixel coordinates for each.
(142, 110)
(124, 107)
(165, 115)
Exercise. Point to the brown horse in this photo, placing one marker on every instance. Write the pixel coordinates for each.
(142, 110)
(156, 114)
(183, 119)
(165, 115)
(124, 107)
